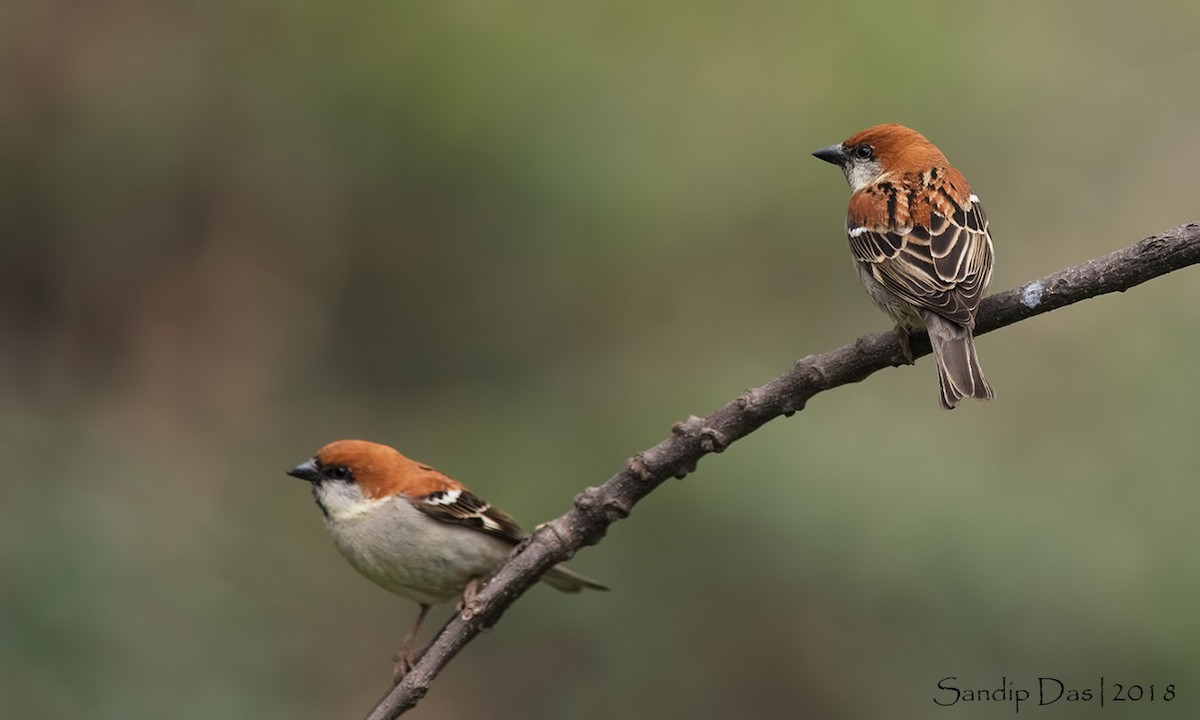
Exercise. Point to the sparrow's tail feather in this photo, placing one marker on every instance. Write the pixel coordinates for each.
(959, 374)
(567, 580)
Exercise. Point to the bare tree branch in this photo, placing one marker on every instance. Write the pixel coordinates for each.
(598, 507)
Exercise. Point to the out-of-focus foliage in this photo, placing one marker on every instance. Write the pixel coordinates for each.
(518, 241)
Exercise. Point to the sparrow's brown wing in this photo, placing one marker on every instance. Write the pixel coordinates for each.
(939, 259)
(461, 507)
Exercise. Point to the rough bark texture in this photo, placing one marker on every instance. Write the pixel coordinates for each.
(598, 507)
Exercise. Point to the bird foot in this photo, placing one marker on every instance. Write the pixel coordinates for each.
(905, 345)
(466, 603)
(404, 663)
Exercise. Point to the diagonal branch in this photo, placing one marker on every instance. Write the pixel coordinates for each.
(598, 507)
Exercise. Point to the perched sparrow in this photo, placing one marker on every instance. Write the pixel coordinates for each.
(921, 244)
(411, 529)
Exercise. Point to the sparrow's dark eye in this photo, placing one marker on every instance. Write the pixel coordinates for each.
(864, 152)
(338, 472)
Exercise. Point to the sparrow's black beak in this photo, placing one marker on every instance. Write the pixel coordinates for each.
(833, 154)
(307, 471)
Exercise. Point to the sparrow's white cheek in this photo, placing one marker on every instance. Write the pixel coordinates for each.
(861, 173)
(342, 500)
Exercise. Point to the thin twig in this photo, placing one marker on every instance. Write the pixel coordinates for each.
(598, 507)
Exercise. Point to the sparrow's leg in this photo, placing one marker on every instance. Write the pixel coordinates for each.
(905, 346)
(404, 657)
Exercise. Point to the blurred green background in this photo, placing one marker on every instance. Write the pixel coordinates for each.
(518, 241)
